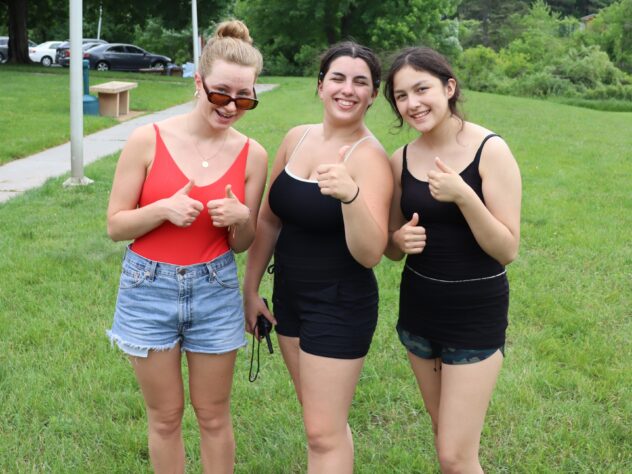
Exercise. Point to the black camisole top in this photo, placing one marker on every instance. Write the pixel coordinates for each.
(451, 251)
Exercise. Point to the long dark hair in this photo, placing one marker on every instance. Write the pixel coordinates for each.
(425, 59)
(353, 50)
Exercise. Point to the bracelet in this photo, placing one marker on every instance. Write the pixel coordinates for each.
(353, 198)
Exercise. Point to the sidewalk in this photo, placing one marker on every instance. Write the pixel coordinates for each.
(21, 175)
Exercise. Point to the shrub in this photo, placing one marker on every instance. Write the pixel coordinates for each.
(479, 69)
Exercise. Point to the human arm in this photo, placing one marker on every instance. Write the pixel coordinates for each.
(365, 180)
(495, 223)
(403, 237)
(260, 252)
(241, 218)
(127, 221)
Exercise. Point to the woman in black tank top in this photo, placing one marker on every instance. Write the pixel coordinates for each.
(455, 214)
(326, 220)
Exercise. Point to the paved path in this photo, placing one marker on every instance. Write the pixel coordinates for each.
(21, 175)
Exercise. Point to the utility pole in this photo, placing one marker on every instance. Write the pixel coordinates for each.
(100, 16)
(76, 96)
(196, 40)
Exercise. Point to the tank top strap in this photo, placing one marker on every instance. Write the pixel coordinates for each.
(353, 147)
(477, 157)
(404, 160)
(298, 145)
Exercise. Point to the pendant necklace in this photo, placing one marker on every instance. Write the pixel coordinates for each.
(205, 161)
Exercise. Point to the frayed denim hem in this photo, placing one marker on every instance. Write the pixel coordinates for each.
(138, 350)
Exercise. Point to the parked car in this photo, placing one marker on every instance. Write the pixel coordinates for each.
(63, 51)
(44, 53)
(4, 48)
(124, 57)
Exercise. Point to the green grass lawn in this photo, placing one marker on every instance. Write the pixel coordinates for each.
(35, 105)
(70, 403)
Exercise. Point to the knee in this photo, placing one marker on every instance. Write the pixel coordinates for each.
(213, 419)
(322, 440)
(453, 462)
(166, 422)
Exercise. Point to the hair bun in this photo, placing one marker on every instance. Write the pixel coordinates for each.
(233, 29)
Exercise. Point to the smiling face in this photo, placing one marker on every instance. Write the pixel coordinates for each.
(421, 98)
(227, 78)
(346, 89)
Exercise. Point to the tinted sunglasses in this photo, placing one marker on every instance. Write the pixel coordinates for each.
(220, 99)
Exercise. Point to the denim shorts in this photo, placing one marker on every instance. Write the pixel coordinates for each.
(160, 305)
(426, 349)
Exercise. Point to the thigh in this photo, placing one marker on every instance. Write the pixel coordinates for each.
(428, 375)
(211, 379)
(465, 394)
(327, 388)
(160, 378)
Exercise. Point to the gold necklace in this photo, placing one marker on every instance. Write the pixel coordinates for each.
(204, 159)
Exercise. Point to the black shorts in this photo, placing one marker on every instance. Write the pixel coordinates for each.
(332, 311)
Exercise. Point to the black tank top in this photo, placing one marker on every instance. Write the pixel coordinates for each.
(312, 223)
(451, 251)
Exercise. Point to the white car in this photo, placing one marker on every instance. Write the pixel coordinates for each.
(44, 53)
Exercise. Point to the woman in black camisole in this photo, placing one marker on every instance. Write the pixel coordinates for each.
(326, 220)
(456, 216)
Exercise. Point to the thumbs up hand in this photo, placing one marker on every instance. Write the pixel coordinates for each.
(228, 211)
(334, 179)
(411, 237)
(181, 209)
(445, 184)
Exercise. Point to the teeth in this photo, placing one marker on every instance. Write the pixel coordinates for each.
(345, 103)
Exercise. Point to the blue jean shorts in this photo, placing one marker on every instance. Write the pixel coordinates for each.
(426, 349)
(160, 305)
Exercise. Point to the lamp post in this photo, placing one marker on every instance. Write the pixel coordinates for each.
(196, 41)
(76, 97)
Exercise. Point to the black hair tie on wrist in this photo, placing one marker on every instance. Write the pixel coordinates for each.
(353, 198)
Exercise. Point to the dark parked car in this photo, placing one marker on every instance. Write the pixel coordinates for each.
(63, 50)
(125, 57)
(4, 47)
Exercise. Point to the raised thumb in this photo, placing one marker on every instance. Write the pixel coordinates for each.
(229, 192)
(414, 220)
(342, 153)
(442, 166)
(187, 187)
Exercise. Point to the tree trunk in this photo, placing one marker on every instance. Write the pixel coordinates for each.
(18, 41)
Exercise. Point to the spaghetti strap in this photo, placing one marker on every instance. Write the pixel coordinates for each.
(477, 157)
(353, 147)
(404, 161)
(298, 145)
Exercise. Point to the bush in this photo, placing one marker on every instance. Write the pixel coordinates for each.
(544, 83)
(479, 69)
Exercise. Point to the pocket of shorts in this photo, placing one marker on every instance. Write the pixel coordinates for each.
(131, 279)
(226, 277)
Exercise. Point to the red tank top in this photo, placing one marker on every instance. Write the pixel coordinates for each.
(201, 241)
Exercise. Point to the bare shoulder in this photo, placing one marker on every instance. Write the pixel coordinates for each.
(257, 152)
(140, 145)
(397, 158)
(294, 134)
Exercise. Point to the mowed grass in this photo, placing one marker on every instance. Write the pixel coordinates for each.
(70, 403)
(35, 105)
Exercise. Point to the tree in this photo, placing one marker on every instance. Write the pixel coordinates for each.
(18, 39)
(292, 33)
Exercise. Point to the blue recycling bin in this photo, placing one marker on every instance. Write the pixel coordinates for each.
(90, 102)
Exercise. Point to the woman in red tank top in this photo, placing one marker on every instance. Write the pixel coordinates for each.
(187, 191)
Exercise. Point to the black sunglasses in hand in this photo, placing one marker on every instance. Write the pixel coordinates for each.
(220, 99)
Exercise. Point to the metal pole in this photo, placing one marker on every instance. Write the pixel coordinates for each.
(100, 16)
(76, 96)
(196, 41)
